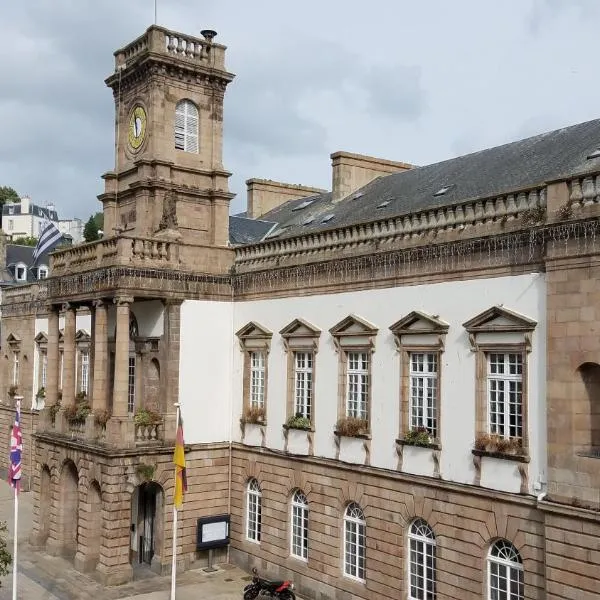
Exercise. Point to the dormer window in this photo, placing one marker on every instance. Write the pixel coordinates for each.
(186, 126)
(21, 272)
(42, 272)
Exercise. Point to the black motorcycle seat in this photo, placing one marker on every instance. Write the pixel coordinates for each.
(274, 584)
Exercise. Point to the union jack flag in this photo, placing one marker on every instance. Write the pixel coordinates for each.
(16, 447)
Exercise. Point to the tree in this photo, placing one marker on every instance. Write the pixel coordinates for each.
(8, 194)
(90, 231)
(25, 241)
(5, 557)
(99, 218)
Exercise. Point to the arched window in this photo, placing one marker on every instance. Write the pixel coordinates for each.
(299, 533)
(354, 542)
(421, 561)
(590, 376)
(253, 511)
(186, 126)
(505, 572)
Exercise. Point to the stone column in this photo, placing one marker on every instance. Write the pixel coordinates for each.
(121, 379)
(52, 376)
(100, 346)
(170, 381)
(69, 378)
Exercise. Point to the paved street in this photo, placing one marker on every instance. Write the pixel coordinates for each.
(42, 577)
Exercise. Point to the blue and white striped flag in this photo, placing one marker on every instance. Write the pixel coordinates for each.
(49, 239)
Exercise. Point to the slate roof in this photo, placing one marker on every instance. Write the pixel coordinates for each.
(34, 209)
(16, 254)
(484, 174)
(247, 231)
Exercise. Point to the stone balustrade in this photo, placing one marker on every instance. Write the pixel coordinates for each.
(120, 251)
(473, 213)
(584, 191)
(158, 40)
(148, 434)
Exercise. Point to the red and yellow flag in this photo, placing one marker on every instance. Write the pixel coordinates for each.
(179, 460)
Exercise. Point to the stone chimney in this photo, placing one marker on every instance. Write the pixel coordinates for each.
(353, 171)
(25, 204)
(265, 195)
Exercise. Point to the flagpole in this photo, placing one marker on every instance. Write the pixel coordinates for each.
(15, 533)
(174, 559)
(155, 20)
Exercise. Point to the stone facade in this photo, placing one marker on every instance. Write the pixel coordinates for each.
(166, 212)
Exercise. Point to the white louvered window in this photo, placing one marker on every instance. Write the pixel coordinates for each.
(131, 385)
(44, 369)
(16, 368)
(85, 371)
(421, 562)
(186, 126)
(253, 511)
(299, 537)
(505, 572)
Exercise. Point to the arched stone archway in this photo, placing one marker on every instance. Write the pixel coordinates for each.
(147, 520)
(44, 514)
(590, 380)
(90, 530)
(68, 509)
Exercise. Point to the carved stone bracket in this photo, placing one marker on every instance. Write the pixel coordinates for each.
(524, 473)
(400, 454)
(338, 440)
(436, 455)
(286, 433)
(243, 429)
(310, 437)
(263, 436)
(477, 465)
(367, 449)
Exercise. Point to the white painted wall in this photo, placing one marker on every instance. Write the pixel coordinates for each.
(205, 374)
(212, 363)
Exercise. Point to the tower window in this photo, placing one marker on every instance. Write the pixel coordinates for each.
(186, 126)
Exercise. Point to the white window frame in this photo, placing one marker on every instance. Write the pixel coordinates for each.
(355, 543)
(85, 371)
(253, 511)
(186, 126)
(504, 566)
(299, 526)
(423, 391)
(62, 366)
(421, 548)
(303, 383)
(42, 272)
(22, 266)
(16, 368)
(357, 384)
(257, 361)
(502, 388)
(131, 372)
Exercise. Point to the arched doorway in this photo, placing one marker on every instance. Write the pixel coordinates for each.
(45, 504)
(94, 501)
(147, 504)
(68, 508)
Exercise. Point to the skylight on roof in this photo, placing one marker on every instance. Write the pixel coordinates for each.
(442, 191)
(308, 220)
(594, 154)
(383, 204)
(276, 232)
(357, 196)
(302, 205)
(327, 218)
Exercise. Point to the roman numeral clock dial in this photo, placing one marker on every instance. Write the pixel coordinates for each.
(137, 127)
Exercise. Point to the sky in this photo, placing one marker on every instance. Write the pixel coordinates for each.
(417, 82)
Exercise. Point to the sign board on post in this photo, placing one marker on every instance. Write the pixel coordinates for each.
(212, 532)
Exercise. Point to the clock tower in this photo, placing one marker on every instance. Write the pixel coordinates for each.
(169, 181)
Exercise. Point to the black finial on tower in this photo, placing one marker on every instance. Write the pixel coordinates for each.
(208, 34)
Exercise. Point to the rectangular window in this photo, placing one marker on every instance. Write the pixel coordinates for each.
(423, 391)
(254, 514)
(505, 394)
(299, 540)
(10, 224)
(357, 385)
(44, 368)
(16, 368)
(354, 550)
(62, 365)
(85, 371)
(131, 386)
(303, 383)
(257, 379)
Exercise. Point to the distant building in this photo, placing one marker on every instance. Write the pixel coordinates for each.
(25, 219)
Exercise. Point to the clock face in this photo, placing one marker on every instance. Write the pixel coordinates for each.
(137, 127)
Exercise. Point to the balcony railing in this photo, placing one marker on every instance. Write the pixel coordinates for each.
(115, 251)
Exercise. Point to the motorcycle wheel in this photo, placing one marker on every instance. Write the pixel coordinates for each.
(250, 594)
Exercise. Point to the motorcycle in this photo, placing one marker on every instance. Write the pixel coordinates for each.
(268, 589)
